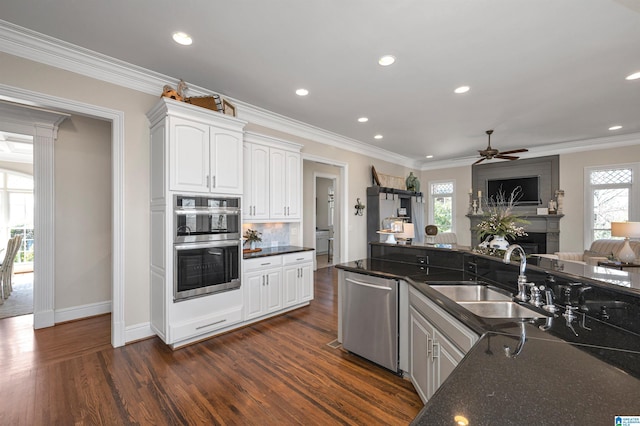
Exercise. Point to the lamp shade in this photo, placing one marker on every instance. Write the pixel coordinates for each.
(408, 231)
(625, 229)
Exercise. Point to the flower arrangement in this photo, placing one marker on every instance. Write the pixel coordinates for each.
(500, 219)
(252, 236)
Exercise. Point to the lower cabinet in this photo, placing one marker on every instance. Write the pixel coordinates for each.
(263, 293)
(437, 343)
(275, 283)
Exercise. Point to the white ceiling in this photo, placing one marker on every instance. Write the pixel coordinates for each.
(541, 72)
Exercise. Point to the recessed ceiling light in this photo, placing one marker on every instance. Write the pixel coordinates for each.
(377, 137)
(634, 76)
(386, 60)
(363, 119)
(182, 38)
(617, 127)
(462, 89)
(302, 92)
(429, 156)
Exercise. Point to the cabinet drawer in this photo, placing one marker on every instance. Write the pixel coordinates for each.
(453, 329)
(299, 257)
(262, 263)
(203, 325)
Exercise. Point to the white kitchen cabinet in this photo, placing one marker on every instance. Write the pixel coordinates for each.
(256, 181)
(437, 343)
(262, 293)
(204, 148)
(298, 277)
(285, 177)
(272, 179)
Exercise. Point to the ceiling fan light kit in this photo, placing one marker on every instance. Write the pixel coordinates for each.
(491, 153)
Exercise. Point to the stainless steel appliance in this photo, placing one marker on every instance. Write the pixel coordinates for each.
(207, 246)
(370, 319)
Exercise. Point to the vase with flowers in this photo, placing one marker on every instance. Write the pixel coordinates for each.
(500, 222)
(252, 236)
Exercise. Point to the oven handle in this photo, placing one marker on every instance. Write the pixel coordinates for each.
(206, 211)
(191, 246)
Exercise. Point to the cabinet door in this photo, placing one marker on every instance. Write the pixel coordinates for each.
(226, 161)
(273, 296)
(253, 294)
(420, 347)
(247, 199)
(305, 290)
(189, 155)
(277, 174)
(260, 181)
(291, 278)
(446, 357)
(293, 185)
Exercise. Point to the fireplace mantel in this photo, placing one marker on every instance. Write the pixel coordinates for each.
(545, 224)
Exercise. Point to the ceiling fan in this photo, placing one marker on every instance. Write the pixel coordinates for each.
(490, 153)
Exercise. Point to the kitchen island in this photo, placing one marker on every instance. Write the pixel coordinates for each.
(544, 370)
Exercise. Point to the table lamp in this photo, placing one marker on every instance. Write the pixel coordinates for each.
(626, 230)
(408, 233)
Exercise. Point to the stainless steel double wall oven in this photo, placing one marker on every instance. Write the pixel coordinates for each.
(207, 245)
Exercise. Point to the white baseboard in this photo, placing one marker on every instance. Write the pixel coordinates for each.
(82, 311)
(138, 332)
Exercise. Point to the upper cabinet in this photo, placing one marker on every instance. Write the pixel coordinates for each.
(272, 179)
(204, 147)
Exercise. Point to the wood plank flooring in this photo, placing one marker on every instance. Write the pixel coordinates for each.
(276, 372)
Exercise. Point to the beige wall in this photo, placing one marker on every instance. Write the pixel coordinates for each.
(82, 212)
(572, 168)
(41, 78)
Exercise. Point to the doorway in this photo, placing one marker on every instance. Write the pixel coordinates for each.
(325, 185)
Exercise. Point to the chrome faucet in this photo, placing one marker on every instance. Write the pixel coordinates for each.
(522, 278)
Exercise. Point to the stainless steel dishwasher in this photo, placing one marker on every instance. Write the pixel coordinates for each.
(370, 318)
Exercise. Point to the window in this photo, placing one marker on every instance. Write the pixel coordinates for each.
(16, 212)
(609, 198)
(441, 208)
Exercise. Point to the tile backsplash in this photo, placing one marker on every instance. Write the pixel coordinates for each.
(272, 233)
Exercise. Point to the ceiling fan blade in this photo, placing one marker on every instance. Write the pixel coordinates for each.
(507, 157)
(513, 151)
(479, 161)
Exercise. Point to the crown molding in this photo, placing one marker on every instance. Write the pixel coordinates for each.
(38, 47)
(594, 144)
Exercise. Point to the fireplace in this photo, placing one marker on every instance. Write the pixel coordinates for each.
(533, 242)
(543, 233)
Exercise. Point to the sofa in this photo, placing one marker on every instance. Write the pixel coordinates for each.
(600, 250)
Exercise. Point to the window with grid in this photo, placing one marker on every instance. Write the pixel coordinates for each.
(441, 207)
(611, 197)
(17, 212)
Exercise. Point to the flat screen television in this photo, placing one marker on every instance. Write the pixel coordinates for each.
(529, 189)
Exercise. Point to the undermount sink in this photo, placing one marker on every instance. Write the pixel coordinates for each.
(500, 309)
(470, 293)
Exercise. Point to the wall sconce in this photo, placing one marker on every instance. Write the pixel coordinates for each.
(359, 207)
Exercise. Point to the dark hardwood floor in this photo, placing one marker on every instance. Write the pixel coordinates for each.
(276, 372)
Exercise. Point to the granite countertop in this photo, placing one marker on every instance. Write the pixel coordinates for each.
(275, 251)
(580, 372)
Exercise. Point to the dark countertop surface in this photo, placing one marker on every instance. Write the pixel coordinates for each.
(275, 251)
(585, 371)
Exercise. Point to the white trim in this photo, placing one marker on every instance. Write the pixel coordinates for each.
(82, 311)
(340, 234)
(139, 332)
(344, 201)
(27, 97)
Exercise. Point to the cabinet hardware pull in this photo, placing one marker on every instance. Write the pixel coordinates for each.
(300, 258)
(436, 347)
(369, 285)
(207, 179)
(263, 280)
(209, 325)
(267, 279)
(213, 181)
(429, 348)
(265, 264)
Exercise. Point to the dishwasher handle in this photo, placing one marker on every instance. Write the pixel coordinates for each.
(368, 285)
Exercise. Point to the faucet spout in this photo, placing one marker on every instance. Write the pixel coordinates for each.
(522, 278)
(523, 257)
